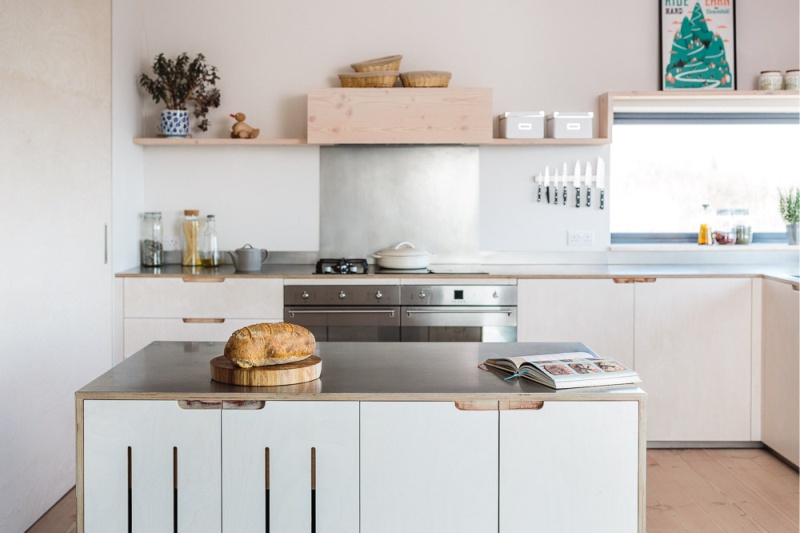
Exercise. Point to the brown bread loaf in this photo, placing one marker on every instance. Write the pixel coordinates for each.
(269, 344)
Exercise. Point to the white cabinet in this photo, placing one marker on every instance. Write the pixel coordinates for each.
(428, 467)
(148, 465)
(195, 308)
(780, 374)
(688, 338)
(693, 353)
(597, 312)
(277, 458)
(570, 466)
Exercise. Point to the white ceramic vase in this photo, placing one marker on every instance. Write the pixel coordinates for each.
(791, 232)
(175, 123)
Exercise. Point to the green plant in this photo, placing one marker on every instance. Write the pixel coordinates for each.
(790, 205)
(180, 81)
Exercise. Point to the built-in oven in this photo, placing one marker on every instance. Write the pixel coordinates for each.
(407, 313)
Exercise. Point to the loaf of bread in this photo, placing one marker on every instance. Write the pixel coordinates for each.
(269, 344)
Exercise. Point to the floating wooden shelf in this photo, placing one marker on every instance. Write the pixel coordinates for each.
(561, 142)
(206, 141)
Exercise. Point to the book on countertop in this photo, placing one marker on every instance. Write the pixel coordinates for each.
(566, 370)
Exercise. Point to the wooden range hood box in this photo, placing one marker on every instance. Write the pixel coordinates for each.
(399, 116)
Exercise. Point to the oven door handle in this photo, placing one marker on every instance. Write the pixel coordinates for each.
(293, 312)
(451, 310)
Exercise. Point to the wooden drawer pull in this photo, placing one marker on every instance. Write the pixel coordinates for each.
(511, 406)
(198, 404)
(495, 406)
(243, 405)
(476, 406)
(634, 280)
(203, 320)
(203, 279)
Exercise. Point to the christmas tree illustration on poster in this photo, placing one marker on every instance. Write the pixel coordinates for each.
(697, 44)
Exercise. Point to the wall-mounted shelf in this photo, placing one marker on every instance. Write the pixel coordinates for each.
(207, 141)
(550, 142)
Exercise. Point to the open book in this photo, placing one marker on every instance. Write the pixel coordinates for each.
(566, 370)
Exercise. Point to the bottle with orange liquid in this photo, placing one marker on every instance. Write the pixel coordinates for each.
(704, 235)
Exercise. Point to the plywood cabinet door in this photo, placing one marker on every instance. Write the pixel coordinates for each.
(781, 351)
(149, 465)
(292, 464)
(428, 467)
(693, 353)
(570, 466)
(596, 312)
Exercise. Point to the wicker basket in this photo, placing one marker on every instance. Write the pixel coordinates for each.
(369, 79)
(387, 63)
(425, 78)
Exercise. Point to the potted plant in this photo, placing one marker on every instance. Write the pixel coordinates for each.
(790, 211)
(178, 82)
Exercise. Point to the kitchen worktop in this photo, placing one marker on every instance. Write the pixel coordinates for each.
(350, 371)
(518, 271)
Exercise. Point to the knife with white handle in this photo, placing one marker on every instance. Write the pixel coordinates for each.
(547, 183)
(577, 183)
(601, 180)
(565, 183)
(538, 179)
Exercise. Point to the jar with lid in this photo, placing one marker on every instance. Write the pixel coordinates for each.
(791, 82)
(725, 229)
(209, 252)
(704, 234)
(741, 220)
(770, 80)
(191, 237)
(150, 244)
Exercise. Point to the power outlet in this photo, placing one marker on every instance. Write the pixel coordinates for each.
(170, 244)
(580, 238)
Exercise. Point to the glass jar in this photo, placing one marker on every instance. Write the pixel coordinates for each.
(725, 229)
(191, 237)
(209, 252)
(770, 80)
(151, 247)
(741, 220)
(791, 81)
(704, 233)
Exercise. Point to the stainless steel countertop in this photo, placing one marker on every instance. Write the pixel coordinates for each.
(350, 371)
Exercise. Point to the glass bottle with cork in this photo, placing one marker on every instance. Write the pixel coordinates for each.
(704, 235)
(191, 237)
(209, 251)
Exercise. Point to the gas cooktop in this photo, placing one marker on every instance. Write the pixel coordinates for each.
(361, 266)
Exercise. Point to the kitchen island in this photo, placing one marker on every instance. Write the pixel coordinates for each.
(392, 437)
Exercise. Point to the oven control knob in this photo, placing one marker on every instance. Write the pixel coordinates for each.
(422, 295)
(304, 296)
(342, 295)
(379, 295)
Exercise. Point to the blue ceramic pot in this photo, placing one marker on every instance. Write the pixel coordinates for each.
(175, 123)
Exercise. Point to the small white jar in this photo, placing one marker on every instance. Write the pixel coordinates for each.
(770, 80)
(791, 81)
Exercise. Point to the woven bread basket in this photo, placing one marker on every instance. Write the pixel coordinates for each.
(425, 78)
(380, 64)
(369, 79)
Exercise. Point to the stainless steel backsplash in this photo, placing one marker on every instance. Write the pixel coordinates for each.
(375, 197)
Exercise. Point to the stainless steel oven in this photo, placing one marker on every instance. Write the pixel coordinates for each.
(407, 313)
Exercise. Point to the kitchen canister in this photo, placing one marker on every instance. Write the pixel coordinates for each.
(191, 237)
(790, 81)
(150, 245)
(770, 80)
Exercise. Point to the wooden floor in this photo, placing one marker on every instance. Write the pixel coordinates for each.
(687, 490)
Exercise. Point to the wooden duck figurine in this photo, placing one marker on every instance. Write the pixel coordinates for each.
(240, 130)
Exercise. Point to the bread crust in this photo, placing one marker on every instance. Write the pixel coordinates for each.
(269, 344)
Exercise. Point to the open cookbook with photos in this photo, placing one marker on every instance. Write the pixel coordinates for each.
(566, 370)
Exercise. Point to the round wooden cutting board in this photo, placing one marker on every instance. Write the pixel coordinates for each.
(223, 370)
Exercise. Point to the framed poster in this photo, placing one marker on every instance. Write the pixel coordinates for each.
(698, 44)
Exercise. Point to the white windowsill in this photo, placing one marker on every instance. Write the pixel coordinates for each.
(669, 247)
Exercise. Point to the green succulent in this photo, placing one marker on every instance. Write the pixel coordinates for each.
(180, 81)
(790, 205)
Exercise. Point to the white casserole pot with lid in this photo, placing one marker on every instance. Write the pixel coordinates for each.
(403, 256)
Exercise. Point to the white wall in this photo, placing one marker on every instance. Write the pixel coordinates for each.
(534, 54)
(55, 200)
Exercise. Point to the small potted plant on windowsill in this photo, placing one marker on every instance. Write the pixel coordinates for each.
(178, 82)
(789, 205)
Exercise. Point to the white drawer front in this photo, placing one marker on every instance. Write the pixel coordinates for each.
(139, 332)
(228, 298)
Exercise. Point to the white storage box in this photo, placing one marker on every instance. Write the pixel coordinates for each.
(522, 125)
(563, 125)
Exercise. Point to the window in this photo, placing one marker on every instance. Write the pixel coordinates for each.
(666, 166)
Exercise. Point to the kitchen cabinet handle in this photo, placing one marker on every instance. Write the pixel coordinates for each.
(203, 279)
(293, 312)
(243, 405)
(476, 406)
(512, 405)
(198, 404)
(796, 287)
(203, 320)
(495, 406)
(504, 311)
(634, 280)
